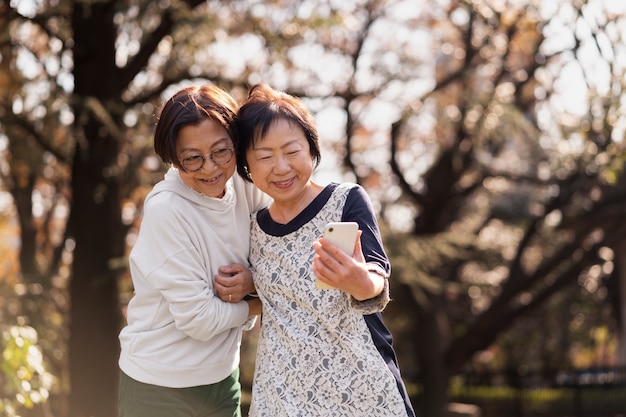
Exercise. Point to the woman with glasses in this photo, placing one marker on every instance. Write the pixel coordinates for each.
(180, 348)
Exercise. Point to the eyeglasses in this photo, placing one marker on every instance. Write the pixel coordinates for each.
(193, 163)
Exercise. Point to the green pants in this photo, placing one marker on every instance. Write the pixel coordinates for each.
(222, 399)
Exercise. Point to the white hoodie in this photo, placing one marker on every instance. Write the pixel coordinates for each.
(179, 333)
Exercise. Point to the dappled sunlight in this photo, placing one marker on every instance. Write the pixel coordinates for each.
(489, 134)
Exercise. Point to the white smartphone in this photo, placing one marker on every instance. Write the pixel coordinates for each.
(342, 234)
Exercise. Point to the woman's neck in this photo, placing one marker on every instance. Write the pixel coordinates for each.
(284, 211)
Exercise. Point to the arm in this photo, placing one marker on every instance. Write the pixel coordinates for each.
(364, 275)
(174, 267)
(349, 273)
(233, 283)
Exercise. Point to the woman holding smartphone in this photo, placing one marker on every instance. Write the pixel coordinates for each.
(322, 352)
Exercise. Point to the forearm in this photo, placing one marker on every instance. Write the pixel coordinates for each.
(372, 305)
(255, 306)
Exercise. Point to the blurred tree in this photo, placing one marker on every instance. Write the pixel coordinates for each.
(63, 114)
(523, 196)
(499, 195)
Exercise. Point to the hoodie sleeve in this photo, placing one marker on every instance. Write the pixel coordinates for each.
(171, 265)
(256, 198)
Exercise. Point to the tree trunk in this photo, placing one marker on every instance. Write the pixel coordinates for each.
(433, 371)
(621, 285)
(94, 313)
(95, 217)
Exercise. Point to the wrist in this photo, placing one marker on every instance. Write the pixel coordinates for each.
(377, 277)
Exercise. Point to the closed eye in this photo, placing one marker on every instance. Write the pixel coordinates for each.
(192, 158)
(221, 152)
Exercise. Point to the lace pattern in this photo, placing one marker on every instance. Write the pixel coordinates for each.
(315, 355)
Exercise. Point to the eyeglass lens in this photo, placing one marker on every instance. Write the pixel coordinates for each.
(219, 157)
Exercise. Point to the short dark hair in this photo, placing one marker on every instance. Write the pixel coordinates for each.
(263, 107)
(190, 106)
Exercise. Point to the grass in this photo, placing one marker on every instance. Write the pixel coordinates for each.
(544, 402)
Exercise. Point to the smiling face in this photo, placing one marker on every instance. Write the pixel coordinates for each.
(280, 163)
(202, 139)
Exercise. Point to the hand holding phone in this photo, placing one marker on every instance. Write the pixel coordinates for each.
(344, 235)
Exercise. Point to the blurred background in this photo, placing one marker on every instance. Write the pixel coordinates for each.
(488, 133)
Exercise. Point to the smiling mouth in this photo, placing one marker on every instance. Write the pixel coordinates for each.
(210, 180)
(284, 183)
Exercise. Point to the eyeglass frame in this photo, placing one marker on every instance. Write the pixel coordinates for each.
(204, 159)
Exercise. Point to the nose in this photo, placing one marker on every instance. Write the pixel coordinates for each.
(207, 159)
(282, 164)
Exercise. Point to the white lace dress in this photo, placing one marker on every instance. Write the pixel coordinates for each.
(315, 355)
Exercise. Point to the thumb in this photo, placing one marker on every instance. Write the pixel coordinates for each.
(358, 250)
